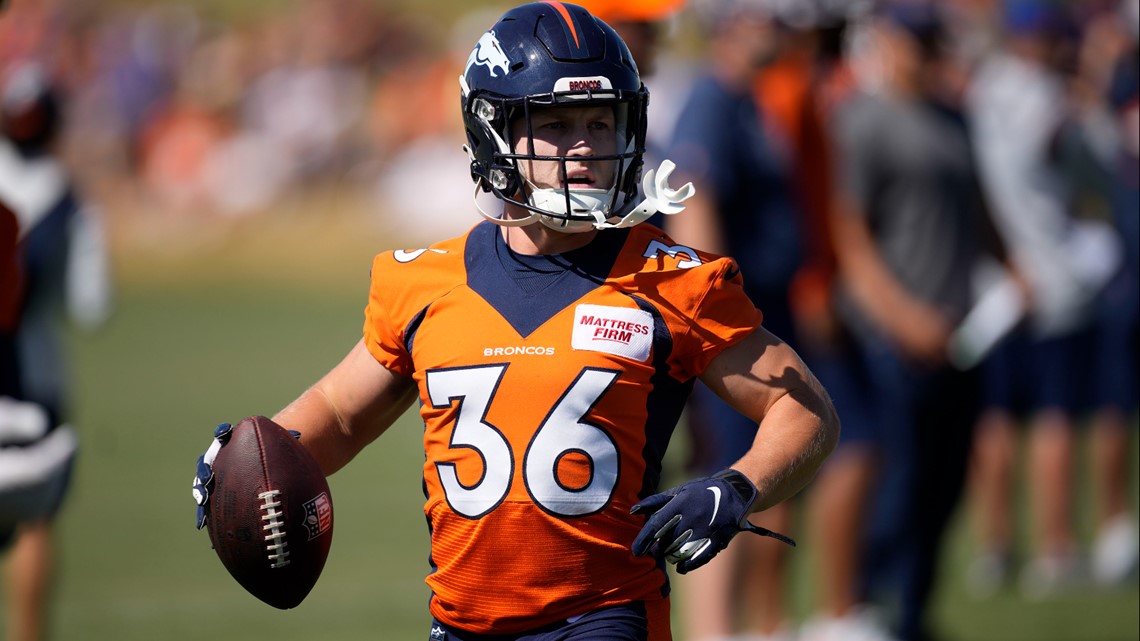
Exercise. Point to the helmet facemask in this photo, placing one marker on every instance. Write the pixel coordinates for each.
(565, 207)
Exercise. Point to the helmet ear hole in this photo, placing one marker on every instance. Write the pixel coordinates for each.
(499, 179)
(482, 108)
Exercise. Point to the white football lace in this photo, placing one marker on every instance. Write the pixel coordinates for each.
(275, 542)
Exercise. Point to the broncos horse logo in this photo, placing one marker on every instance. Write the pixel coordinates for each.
(489, 54)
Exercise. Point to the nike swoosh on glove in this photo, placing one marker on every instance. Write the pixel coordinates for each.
(692, 522)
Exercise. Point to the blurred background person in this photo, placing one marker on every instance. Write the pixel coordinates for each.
(743, 208)
(793, 90)
(1092, 151)
(909, 224)
(1023, 111)
(649, 29)
(65, 272)
(645, 25)
(63, 250)
(838, 501)
(1114, 553)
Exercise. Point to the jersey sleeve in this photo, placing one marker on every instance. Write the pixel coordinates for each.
(404, 283)
(722, 316)
(382, 337)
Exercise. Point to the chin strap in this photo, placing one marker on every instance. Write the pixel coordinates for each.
(659, 197)
(498, 219)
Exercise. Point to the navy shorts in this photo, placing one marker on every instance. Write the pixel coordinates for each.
(1024, 374)
(628, 622)
(858, 378)
(1116, 346)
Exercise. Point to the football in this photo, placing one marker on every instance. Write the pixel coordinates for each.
(270, 514)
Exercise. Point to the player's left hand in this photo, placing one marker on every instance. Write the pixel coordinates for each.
(691, 523)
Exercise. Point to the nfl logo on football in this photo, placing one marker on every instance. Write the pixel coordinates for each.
(318, 516)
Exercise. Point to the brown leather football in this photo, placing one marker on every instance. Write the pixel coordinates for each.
(271, 516)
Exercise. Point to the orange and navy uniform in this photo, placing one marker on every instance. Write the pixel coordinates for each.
(547, 415)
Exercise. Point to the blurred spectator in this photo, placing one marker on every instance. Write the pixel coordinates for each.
(640, 23)
(910, 223)
(305, 106)
(414, 127)
(64, 269)
(1114, 553)
(792, 92)
(838, 501)
(63, 245)
(1021, 108)
(179, 146)
(1091, 151)
(743, 208)
(647, 27)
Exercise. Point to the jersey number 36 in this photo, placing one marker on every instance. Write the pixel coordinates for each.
(563, 432)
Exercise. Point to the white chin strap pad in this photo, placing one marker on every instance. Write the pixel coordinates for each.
(659, 197)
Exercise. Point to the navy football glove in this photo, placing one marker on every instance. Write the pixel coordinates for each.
(204, 476)
(691, 523)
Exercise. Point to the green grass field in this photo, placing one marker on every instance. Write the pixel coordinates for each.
(241, 328)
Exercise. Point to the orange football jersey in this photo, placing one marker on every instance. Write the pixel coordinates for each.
(547, 415)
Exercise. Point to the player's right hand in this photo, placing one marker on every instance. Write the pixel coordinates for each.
(204, 475)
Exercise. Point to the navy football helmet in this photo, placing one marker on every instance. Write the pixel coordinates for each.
(543, 54)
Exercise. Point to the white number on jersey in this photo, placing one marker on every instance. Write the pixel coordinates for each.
(562, 433)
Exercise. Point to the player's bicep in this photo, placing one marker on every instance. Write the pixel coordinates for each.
(753, 373)
(348, 408)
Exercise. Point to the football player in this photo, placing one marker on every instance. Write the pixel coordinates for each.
(36, 458)
(64, 277)
(552, 348)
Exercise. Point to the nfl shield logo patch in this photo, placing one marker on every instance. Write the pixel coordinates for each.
(318, 515)
(437, 634)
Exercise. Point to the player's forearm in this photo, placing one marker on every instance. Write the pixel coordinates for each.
(347, 409)
(794, 438)
(323, 431)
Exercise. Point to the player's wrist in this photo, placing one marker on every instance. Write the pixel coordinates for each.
(741, 485)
